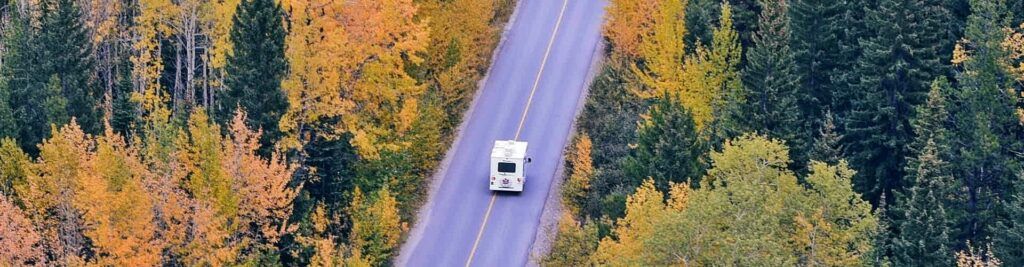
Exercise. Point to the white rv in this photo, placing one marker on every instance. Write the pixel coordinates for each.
(508, 162)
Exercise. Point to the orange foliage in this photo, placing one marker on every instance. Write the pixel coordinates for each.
(262, 185)
(18, 237)
(628, 22)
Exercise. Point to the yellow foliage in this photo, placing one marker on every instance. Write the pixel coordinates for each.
(960, 54)
(317, 51)
(101, 16)
(218, 22)
(974, 257)
(661, 51)
(820, 244)
(573, 243)
(643, 210)
(348, 58)
(578, 184)
(679, 196)
(149, 26)
(376, 227)
(54, 179)
(702, 79)
(202, 157)
(1014, 43)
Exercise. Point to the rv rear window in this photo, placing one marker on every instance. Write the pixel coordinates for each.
(506, 167)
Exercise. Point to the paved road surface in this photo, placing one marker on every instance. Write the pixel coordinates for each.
(533, 88)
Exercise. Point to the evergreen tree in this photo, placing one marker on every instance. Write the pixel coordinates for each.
(47, 69)
(23, 82)
(985, 127)
(256, 67)
(8, 126)
(327, 170)
(668, 148)
(816, 32)
(897, 63)
(1010, 240)
(771, 83)
(926, 230)
(844, 79)
(66, 54)
(827, 146)
(701, 17)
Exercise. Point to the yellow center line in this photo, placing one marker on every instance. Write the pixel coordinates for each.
(536, 83)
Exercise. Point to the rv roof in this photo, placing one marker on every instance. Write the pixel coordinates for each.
(509, 149)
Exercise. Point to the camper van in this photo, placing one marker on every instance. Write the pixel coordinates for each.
(508, 162)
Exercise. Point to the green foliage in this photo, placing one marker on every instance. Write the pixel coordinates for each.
(702, 16)
(899, 60)
(924, 237)
(573, 244)
(12, 170)
(827, 146)
(724, 72)
(66, 56)
(985, 130)
(202, 156)
(1011, 231)
(255, 69)
(816, 32)
(926, 215)
(749, 211)
(609, 116)
(771, 83)
(47, 69)
(376, 226)
(668, 148)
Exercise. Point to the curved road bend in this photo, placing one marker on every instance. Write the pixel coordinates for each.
(531, 94)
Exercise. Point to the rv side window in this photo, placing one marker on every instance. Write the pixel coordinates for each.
(506, 167)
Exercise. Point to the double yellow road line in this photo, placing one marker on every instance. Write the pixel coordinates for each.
(522, 119)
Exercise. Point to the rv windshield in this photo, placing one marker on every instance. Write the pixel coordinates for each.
(506, 167)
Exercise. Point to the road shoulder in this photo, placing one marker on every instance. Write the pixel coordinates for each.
(548, 228)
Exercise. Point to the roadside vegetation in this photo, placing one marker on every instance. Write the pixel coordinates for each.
(800, 133)
(230, 132)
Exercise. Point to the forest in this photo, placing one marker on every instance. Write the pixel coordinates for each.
(800, 133)
(228, 132)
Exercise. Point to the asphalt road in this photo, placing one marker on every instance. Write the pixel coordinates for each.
(531, 93)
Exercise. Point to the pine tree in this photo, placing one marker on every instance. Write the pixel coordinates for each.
(771, 83)
(255, 69)
(668, 148)
(700, 22)
(24, 82)
(895, 68)
(67, 55)
(8, 126)
(844, 80)
(815, 47)
(1010, 237)
(926, 230)
(985, 128)
(827, 146)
